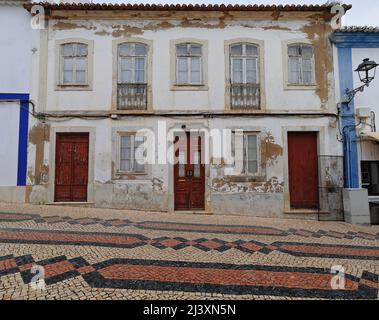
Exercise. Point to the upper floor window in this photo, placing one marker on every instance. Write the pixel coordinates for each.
(244, 76)
(132, 76)
(300, 64)
(189, 64)
(74, 64)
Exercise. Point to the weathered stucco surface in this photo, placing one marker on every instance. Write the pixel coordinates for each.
(261, 195)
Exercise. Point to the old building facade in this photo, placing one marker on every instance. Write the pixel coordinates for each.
(110, 78)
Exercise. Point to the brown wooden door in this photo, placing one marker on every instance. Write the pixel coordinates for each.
(71, 167)
(189, 173)
(303, 170)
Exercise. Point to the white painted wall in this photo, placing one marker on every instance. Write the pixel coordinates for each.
(9, 115)
(15, 43)
(276, 96)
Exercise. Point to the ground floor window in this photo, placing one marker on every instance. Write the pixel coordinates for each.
(370, 177)
(131, 156)
(245, 151)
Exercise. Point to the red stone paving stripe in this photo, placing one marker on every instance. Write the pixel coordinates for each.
(209, 228)
(369, 283)
(216, 276)
(68, 237)
(58, 268)
(15, 217)
(8, 264)
(330, 250)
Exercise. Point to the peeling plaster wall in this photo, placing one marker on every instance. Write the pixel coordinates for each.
(215, 31)
(259, 196)
(263, 195)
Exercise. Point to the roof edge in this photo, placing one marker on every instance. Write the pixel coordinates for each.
(186, 7)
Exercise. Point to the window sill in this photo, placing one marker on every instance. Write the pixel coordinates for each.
(130, 173)
(73, 87)
(200, 87)
(300, 87)
(243, 177)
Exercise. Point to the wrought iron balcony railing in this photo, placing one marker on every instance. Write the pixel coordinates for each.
(132, 96)
(245, 96)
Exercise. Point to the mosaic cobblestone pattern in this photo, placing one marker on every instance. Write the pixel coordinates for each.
(93, 258)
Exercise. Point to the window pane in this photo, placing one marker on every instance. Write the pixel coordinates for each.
(195, 49)
(181, 49)
(67, 77)
(294, 70)
(68, 64)
(140, 49)
(237, 67)
(126, 63)
(125, 165)
(252, 147)
(195, 64)
(252, 167)
(140, 70)
(182, 70)
(182, 64)
(80, 77)
(81, 64)
(81, 50)
(125, 153)
(125, 142)
(293, 51)
(126, 50)
(251, 71)
(195, 70)
(126, 76)
(236, 50)
(251, 50)
(195, 77)
(307, 52)
(68, 50)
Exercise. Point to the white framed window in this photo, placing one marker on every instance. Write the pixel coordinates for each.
(132, 63)
(131, 155)
(244, 61)
(245, 152)
(300, 64)
(189, 64)
(74, 64)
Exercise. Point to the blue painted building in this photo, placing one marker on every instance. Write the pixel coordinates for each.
(360, 140)
(15, 66)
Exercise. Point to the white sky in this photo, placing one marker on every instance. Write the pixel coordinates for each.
(364, 12)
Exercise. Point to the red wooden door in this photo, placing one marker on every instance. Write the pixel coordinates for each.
(303, 170)
(189, 173)
(71, 167)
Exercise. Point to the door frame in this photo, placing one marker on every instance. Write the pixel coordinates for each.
(320, 131)
(202, 128)
(91, 159)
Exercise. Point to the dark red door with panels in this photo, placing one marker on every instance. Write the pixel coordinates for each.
(71, 167)
(303, 170)
(189, 173)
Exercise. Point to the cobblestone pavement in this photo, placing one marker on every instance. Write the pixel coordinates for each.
(116, 254)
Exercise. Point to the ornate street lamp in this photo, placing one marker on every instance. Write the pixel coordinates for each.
(366, 71)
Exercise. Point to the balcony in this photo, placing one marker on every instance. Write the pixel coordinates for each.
(132, 96)
(245, 96)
